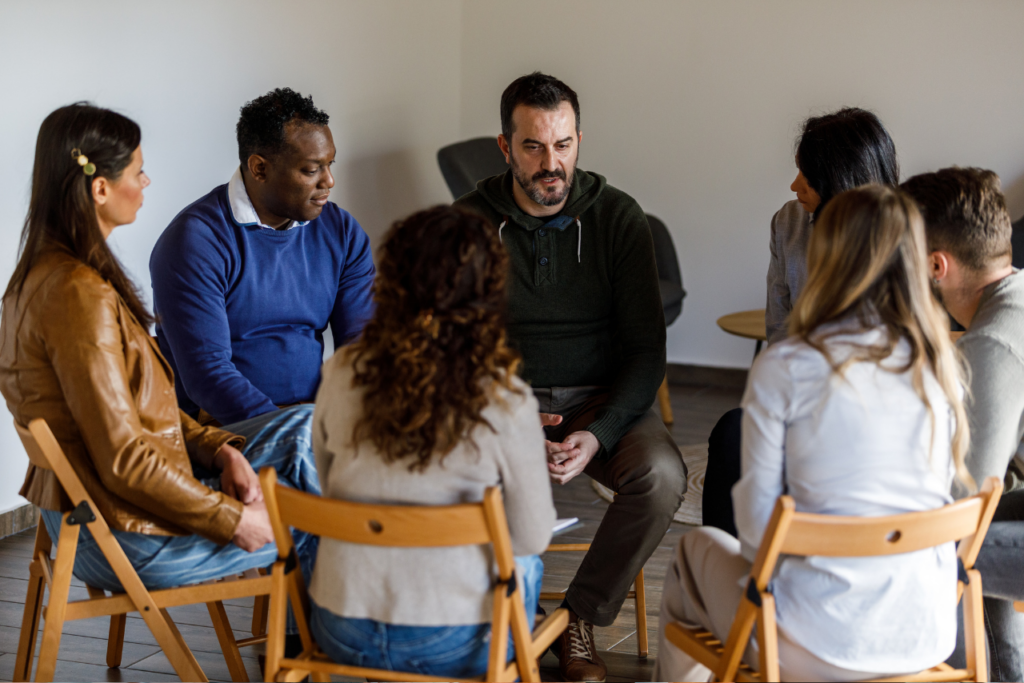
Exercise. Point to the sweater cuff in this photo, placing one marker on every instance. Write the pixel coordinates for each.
(608, 429)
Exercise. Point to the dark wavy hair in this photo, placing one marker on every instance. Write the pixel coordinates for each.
(260, 128)
(435, 352)
(61, 211)
(843, 150)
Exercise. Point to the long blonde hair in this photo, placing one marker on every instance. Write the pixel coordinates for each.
(867, 261)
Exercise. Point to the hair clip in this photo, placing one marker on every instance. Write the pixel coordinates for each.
(87, 166)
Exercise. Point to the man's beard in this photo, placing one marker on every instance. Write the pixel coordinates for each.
(534, 190)
(937, 293)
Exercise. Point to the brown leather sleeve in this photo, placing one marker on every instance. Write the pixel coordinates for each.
(204, 442)
(83, 339)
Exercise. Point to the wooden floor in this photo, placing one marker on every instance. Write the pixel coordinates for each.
(83, 646)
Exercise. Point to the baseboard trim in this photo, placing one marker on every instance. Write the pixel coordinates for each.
(18, 519)
(703, 375)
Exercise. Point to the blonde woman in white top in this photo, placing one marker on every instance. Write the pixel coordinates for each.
(859, 412)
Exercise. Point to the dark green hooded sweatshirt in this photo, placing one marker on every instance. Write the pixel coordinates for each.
(584, 306)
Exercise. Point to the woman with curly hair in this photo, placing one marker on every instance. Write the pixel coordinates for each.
(426, 409)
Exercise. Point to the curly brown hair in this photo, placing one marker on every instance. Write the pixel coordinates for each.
(435, 352)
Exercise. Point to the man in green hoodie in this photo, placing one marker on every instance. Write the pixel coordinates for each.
(584, 310)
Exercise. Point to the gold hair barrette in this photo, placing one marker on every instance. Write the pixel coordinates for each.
(87, 166)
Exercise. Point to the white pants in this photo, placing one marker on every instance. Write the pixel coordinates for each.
(703, 588)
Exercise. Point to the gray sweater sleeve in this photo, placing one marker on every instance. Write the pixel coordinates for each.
(995, 407)
(526, 486)
(776, 312)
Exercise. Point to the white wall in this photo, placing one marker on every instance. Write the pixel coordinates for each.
(386, 72)
(693, 108)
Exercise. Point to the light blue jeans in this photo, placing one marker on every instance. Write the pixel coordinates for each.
(282, 440)
(457, 651)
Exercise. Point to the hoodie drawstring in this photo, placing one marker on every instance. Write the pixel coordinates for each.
(503, 223)
(579, 239)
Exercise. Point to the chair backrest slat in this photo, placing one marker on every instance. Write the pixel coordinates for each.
(35, 453)
(384, 525)
(836, 536)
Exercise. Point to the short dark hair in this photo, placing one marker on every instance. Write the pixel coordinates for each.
(536, 90)
(965, 214)
(260, 128)
(843, 150)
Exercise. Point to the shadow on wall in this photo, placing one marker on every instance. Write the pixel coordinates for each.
(380, 189)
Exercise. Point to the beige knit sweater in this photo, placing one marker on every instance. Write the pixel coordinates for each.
(426, 586)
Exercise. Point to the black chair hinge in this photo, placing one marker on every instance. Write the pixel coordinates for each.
(510, 585)
(291, 562)
(753, 594)
(82, 514)
(961, 572)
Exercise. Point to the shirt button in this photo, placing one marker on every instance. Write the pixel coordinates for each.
(542, 233)
(544, 260)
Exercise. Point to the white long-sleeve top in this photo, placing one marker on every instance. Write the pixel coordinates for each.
(852, 445)
(426, 586)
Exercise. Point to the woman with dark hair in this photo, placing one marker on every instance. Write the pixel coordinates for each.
(835, 152)
(75, 350)
(859, 412)
(426, 409)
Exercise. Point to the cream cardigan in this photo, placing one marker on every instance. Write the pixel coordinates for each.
(426, 586)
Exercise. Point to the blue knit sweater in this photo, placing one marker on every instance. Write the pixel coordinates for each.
(242, 309)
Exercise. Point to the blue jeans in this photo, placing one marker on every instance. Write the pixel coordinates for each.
(282, 440)
(457, 651)
(1001, 563)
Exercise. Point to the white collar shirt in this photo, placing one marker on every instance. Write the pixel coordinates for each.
(862, 444)
(242, 210)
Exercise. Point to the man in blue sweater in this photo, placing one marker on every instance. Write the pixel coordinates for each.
(247, 278)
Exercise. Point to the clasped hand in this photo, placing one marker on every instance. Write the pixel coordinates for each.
(239, 480)
(568, 458)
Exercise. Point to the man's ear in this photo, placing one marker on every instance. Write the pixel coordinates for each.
(100, 191)
(503, 144)
(257, 167)
(939, 263)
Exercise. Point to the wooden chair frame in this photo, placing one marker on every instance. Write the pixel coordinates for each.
(395, 526)
(804, 534)
(45, 452)
(638, 595)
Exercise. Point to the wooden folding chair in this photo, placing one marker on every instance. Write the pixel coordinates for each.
(638, 595)
(804, 534)
(44, 452)
(395, 526)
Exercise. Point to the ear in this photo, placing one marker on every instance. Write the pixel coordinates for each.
(503, 144)
(100, 191)
(939, 263)
(257, 167)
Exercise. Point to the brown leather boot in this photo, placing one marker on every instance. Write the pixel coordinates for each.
(577, 655)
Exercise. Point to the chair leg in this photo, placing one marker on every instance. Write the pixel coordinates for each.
(260, 607)
(115, 640)
(640, 601)
(57, 606)
(180, 657)
(33, 607)
(29, 627)
(228, 646)
(665, 402)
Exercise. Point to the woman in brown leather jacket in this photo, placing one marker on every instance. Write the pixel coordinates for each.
(75, 350)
